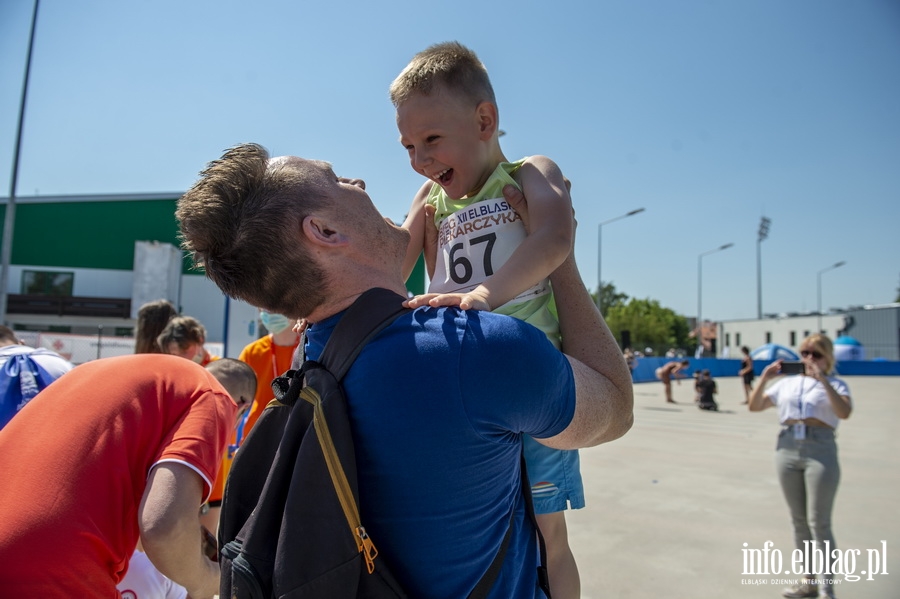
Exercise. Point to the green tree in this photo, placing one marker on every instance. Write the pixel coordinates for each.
(609, 298)
(650, 325)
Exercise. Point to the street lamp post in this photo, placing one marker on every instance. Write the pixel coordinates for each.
(763, 234)
(599, 247)
(9, 221)
(700, 289)
(819, 289)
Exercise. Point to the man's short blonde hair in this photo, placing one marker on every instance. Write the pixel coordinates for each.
(238, 378)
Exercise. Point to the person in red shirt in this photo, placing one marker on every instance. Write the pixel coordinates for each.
(119, 449)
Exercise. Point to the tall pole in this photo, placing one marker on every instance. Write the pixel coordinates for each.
(9, 219)
(599, 252)
(819, 290)
(599, 262)
(763, 234)
(700, 289)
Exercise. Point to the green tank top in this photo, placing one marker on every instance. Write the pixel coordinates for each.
(476, 236)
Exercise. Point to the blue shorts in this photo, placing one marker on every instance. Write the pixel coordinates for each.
(555, 476)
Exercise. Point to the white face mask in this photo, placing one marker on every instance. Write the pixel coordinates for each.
(275, 323)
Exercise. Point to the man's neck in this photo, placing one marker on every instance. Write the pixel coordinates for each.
(336, 305)
(286, 337)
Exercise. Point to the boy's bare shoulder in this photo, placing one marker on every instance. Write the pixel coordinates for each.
(424, 191)
(540, 166)
(539, 160)
(539, 173)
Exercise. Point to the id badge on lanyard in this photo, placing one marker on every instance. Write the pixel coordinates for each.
(800, 428)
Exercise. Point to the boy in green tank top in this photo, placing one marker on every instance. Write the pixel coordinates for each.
(448, 121)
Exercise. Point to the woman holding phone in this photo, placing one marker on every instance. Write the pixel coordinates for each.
(810, 405)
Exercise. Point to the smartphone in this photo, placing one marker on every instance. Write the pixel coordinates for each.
(209, 544)
(793, 368)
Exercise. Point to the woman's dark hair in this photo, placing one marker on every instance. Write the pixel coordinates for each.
(152, 319)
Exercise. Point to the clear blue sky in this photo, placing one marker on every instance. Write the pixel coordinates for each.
(708, 114)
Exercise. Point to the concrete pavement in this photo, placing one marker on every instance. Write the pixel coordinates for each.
(671, 505)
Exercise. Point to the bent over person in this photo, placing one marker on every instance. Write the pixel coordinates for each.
(117, 449)
(438, 438)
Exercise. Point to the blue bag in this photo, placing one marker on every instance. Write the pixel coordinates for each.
(21, 378)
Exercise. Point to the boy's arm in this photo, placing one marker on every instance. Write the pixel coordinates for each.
(415, 224)
(543, 250)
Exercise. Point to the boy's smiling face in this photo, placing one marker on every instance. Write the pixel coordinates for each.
(447, 140)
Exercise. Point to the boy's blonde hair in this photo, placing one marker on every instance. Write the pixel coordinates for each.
(450, 65)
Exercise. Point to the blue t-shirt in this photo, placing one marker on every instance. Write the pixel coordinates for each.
(438, 402)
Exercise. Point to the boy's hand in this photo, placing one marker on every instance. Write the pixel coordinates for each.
(474, 300)
(519, 203)
(516, 199)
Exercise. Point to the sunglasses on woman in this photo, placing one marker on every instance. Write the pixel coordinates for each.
(810, 352)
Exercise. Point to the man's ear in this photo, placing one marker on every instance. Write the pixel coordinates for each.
(318, 231)
(486, 115)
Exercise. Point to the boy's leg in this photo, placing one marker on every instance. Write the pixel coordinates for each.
(565, 583)
(555, 477)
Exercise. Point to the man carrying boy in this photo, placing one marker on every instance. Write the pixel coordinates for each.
(448, 121)
(440, 399)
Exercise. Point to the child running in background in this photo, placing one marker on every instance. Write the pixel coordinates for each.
(448, 121)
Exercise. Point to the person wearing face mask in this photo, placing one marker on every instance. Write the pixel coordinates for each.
(268, 356)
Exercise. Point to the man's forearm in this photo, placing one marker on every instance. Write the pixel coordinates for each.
(605, 404)
(170, 529)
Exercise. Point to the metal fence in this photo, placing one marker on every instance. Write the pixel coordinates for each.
(79, 349)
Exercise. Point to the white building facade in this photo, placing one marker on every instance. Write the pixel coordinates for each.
(877, 328)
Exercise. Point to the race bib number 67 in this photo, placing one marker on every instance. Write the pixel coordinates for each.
(473, 243)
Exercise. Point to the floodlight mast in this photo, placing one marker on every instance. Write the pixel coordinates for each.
(764, 224)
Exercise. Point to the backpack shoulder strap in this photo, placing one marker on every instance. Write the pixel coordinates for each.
(484, 586)
(370, 314)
